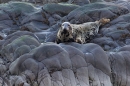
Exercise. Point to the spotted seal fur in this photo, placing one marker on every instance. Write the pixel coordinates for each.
(81, 33)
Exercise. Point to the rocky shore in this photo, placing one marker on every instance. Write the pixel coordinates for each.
(29, 55)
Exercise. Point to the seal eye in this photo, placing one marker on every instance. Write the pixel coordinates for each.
(69, 27)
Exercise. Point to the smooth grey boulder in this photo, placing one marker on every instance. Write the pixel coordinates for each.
(2, 82)
(3, 67)
(18, 47)
(116, 35)
(35, 1)
(93, 1)
(119, 62)
(13, 13)
(79, 2)
(123, 3)
(65, 62)
(62, 8)
(117, 30)
(16, 35)
(96, 11)
(17, 7)
(106, 43)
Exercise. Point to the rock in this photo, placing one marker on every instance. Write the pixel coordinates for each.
(41, 55)
(18, 7)
(42, 36)
(105, 42)
(34, 26)
(123, 3)
(127, 41)
(2, 36)
(59, 8)
(66, 62)
(21, 50)
(29, 56)
(96, 11)
(52, 21)
(2, 82)
(47, 36)
(116, 34)
(119, 61)
(3, 67)
(38, 16)
(56, 16)
(89, 49)
(125, 48)
(35, 1)
(118, 30)
(51, 37)
(107, 47)
(18, 81)
(13, 13)
(79, 2)
(4, 16)
(93, 1)
(18, 47)
(16, 35)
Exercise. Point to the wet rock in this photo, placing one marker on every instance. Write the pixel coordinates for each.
(13, 13)
(37, 16)
(116, 34)
(51, 37)
(52, 21)
(35, 1)
(18, 81)
(16, 35)
(93, 1)
(29, 56)
(34, 26)
(2, 36)
(3, 67)
(41, 53)
(123, 3)
(96, 11)
(127, 41)
(107, 47)
(18, 7)
(89, 49)
(118, 30)
(18, 47)
(119, 61)
(76, 63)
(79, 2)
(3, 82)
(56, 16)
(4, 16)
(46, 36)
(42, 36)
(125, 48)
(21, 50)
(59, 8)
(105, 42)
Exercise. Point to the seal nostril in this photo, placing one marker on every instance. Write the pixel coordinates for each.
(65, 31)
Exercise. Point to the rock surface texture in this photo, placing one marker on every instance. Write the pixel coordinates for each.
(29, 55)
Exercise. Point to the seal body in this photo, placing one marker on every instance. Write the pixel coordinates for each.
(83, 33)
(80, 33)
